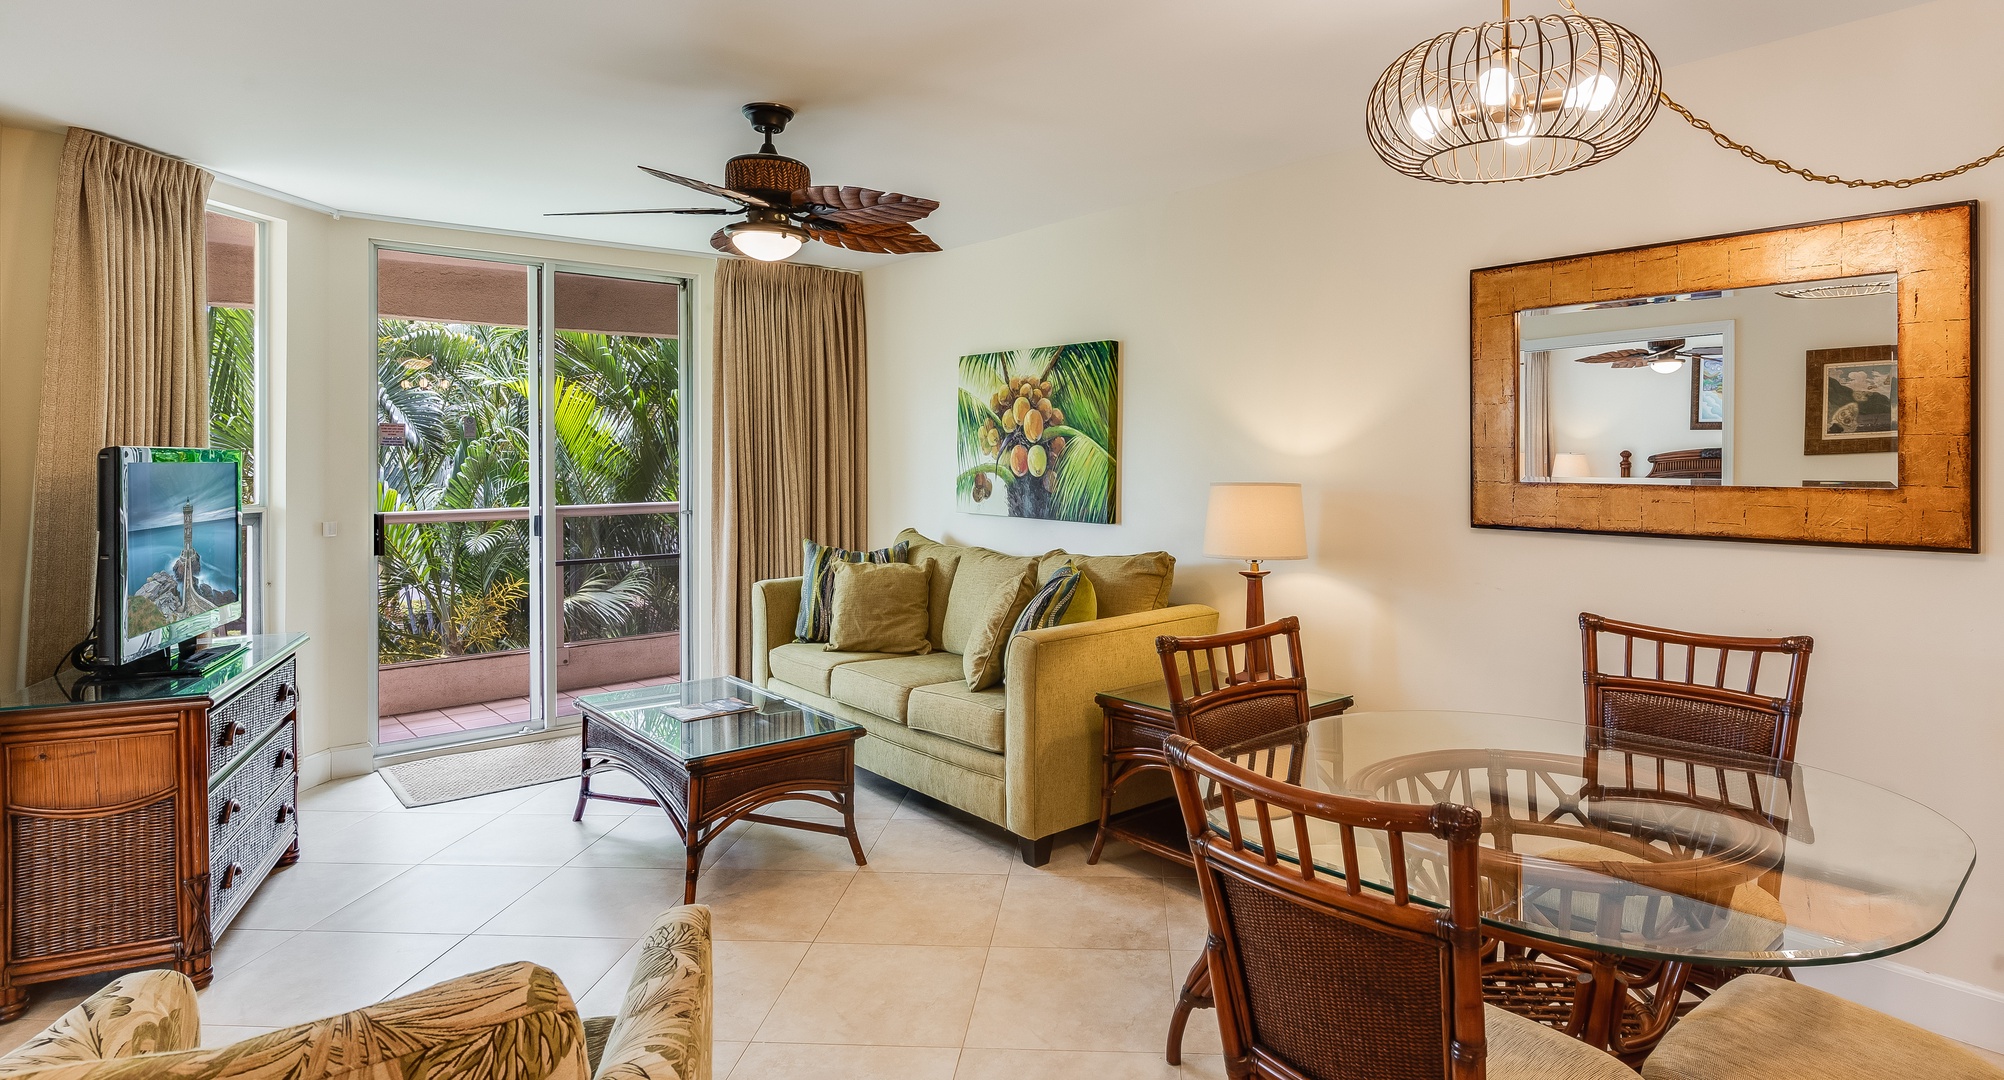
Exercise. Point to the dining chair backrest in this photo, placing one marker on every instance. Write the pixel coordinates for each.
(1695, 688)
(1224, 689)
(1314, 975)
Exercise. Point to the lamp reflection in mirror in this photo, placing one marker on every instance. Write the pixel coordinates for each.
(1571, 465)
(1256, 523)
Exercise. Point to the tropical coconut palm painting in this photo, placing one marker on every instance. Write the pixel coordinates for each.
(1037, 432)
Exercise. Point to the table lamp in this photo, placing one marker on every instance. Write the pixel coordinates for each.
(1571, 465)
(1257, 523)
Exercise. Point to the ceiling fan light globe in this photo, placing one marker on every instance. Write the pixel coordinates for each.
(764, 243)
(1667, 366)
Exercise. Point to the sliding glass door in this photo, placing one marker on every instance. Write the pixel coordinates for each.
(529, 456)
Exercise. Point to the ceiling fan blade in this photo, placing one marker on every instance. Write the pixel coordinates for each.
(1666, 346)
(710, 189)
(722, 242)
(1634, 362)
(679, 210)
(1616, 357)
(860, 205)
(895, 238)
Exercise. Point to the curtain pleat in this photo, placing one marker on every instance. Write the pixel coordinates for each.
(127, 360)
(790, 431)
(1537, 415)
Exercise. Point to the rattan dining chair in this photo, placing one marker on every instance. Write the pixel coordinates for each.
(1226, 690)
(1318, 977)
(1694, 688)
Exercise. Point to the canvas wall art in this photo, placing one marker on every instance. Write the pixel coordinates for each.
(1038, 433)
(1708, 393)
(1851, 401)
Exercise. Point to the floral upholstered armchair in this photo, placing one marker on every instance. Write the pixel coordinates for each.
(515, 1022)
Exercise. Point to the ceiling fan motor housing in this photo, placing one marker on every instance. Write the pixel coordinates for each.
(769, 176)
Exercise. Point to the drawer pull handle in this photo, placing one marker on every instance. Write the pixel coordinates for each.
(284, 758)
(231, 875)
(234, 732)
(229, 808)
(284, 811)
(284, 691)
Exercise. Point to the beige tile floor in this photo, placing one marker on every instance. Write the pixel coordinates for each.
(945, 957)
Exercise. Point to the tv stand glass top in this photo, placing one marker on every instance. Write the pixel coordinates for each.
(71, 686)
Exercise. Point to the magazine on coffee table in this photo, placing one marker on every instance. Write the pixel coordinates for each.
(715, 707)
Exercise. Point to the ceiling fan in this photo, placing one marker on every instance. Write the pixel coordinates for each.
(1665, 356)
(784, 210)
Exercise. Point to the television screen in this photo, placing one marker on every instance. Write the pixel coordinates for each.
(176, 547)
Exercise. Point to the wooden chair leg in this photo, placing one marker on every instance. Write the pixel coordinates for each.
(1196, 994)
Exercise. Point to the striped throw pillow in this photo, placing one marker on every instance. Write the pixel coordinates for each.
(1048, 606)
(817, 582)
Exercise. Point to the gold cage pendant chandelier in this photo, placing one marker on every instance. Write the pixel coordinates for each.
(1514, 100)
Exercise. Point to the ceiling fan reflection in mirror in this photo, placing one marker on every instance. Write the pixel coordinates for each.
(783, 209)
(1664, 356)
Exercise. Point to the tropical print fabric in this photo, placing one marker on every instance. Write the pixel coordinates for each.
(514, 1022)
(146, 1012)
(1048, 606)
(817, 582)
(663, 1030)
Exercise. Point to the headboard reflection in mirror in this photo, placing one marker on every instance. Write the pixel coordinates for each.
(1807, 384)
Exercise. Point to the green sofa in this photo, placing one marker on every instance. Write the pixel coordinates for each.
(1024, 755)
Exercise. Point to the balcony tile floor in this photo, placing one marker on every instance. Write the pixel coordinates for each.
(501, 712)
(943, 959)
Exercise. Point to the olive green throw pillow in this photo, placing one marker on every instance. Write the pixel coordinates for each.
(879, 607)
(816, 582)
(1124, 584)
(977, 577)
(992, 616)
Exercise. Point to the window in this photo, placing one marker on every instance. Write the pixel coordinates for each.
(237, 351)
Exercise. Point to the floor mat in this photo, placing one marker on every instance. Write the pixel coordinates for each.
(450, 777)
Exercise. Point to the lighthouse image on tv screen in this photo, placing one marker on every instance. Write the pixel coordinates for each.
(181, 573)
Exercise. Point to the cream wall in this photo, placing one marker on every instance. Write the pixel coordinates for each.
(28, 167)
(1600, 410)
(1331, 348)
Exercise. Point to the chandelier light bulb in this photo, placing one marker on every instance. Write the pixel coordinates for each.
(1518, 132)
(1426, 122)
(1593, 93)
(1496, 86)
(1669, 366)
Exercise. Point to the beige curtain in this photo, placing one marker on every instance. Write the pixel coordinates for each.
(127, 360)
(789, 428)
(1536, 415)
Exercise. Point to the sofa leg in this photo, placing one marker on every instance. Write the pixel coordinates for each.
(1035, 852)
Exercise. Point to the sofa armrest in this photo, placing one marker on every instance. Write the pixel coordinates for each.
(775, 607)
(514, 1022)
(1053, 725)
(663, 1029)
(146, 1012)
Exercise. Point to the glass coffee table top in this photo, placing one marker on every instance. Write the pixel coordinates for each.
(767, 719)
(1629, 845)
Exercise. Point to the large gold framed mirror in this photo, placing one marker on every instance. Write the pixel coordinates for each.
(1808, 384)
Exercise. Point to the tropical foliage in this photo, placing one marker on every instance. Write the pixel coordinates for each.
(233, 387)
(1037, 428)
(460, 399)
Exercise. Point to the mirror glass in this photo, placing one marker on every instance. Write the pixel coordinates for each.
(1790, 385)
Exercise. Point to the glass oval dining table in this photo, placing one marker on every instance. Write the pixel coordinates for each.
(1651, 865)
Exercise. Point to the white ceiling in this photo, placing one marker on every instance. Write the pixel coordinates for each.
(490, 112)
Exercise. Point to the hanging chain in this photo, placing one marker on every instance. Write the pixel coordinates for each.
(1781, 166)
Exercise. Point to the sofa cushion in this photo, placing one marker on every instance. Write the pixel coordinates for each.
(1124, 584)
(1051, 605)
(881, 686)
(880, 608)
(817, 583)
(954, 711)
(988, 643)
(978, 579)
(804, 663)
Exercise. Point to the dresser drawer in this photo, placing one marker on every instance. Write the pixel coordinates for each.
(247, 852)
(236, 725)
(259, 772)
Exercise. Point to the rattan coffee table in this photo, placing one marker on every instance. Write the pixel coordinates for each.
(711, 772)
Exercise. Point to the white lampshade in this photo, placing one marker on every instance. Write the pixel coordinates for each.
(1571, 465)
(1255, 521)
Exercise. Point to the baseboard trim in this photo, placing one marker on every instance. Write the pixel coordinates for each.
(1961, 1011)
(316, 769)
(358, 759)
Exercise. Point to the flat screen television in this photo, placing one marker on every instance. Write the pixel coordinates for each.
(168, 562)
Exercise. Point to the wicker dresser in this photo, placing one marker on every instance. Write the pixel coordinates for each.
(138, 821)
